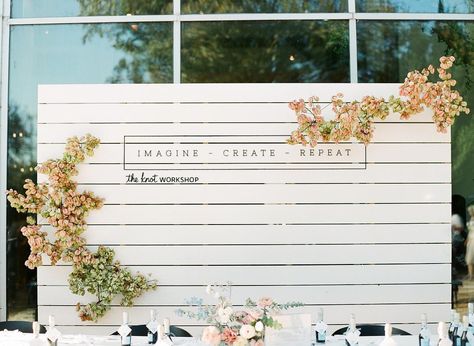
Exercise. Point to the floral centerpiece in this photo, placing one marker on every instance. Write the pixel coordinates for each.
(231, 326)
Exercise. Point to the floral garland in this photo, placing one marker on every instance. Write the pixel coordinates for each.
(355, 119)
(227, 327)
(66, 209)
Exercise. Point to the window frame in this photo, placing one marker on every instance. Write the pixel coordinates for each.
(352, 16)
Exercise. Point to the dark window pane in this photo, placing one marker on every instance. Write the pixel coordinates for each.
(69, 8)
(262, 6)
(388, 50)
(416, 6)
(131, 53)
(265, 52)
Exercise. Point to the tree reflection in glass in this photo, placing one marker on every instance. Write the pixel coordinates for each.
(21, 162)
(146, 51)
(415, 6)
(265, 52)
(262, 6)
(387, 50)
(62, 54)
(71, 8)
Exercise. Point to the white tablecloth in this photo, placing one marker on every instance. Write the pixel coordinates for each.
(22, 339)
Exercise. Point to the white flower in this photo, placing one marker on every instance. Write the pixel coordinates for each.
(209, 289)
(217, 295)
(259, 326)
(240, 341)
(224, 314)
(247, 331)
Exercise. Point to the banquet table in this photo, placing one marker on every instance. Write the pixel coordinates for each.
(23, 339)
(14, 338)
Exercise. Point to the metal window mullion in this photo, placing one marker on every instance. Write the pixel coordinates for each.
(414, 16)
(244, 17)
(5, 44)
(352, 41)
(182, 18)
(93, 19)
(262, 16)
(177, 42)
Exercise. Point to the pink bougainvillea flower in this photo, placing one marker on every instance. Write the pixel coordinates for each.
(355, 119)
(66, 209)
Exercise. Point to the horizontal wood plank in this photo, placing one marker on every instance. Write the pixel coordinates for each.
(269, 214)
(310, 295)
(380, 153)
(200, 93)
(271, 193)
(275, 275)
(375, 174)
(266, 234)
(273, 132)
(191, 113)
(282, 254)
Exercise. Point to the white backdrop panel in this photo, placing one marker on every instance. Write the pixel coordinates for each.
(369, 235)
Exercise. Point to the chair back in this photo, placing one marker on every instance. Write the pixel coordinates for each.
(179, 332)
(22, 326)
(142, 330)
(372, 330)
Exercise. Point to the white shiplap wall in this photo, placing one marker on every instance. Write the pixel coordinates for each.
(373, 241)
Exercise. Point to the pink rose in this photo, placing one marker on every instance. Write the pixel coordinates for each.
(265, 302)
(229, 336)
(211, 336)
(252, 316)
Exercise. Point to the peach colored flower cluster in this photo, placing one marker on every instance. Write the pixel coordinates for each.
(58, 202)
(229, 336)
(355, 119)
(33, 199)
(38, 245)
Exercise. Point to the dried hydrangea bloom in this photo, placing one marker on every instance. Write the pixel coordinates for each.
(355, 119)
(66, 209)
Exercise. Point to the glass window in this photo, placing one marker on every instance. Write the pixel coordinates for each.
(265, 52)
(416, 6)
(105, 53)
(387, 50)
(262, 6)
(70, 8)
